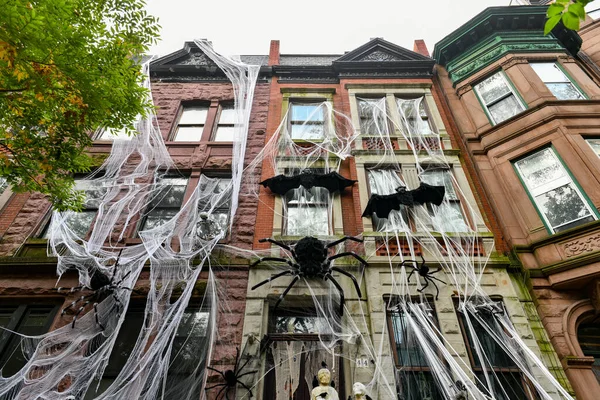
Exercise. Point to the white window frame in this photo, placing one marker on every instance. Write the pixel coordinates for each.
(423, 115)
(511, 92)
(289, 203)
(567, 80)
(220, 124)
(191, 124)
(453, 198)
(589, 140)
(291, 122)
(564, 180)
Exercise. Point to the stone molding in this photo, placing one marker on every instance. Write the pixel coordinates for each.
(571, 319)
(582, 245)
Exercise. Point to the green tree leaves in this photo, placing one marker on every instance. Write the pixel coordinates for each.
(569, 11)
(67, 67)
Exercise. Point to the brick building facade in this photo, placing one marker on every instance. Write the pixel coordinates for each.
(521, 99)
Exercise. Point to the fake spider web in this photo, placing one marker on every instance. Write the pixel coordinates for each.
(68, 363)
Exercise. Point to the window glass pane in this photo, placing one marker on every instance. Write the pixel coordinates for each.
(193, 116)
(188, 133)
(588, 335)
(448, 217)
(540, 168)
(307, 112)
(81, 222)
(564, 91)
(3, 185)
(372, 116)
(157, 217)
(34, 320)
(307, 131)
(227, 115)
(493, 88)
(505, 108)
(417, 385)
(171, 193)
(407, 345)
(506, 386)
(595, 145)
(94, 191)
(307, 221)
(562, 205)
(224, 134)
(112, 134)
(300, 324)
(440, 177)
(549, 72)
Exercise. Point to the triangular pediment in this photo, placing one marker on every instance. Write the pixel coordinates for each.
(188, 63)
(379, 50)
(189, 55)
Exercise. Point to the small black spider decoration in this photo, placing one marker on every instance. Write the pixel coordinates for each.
(101, 286)
(232, 377)
(311, 260)
(423, 271)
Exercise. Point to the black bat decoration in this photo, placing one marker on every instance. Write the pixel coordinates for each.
(331, 181)
(382, 205)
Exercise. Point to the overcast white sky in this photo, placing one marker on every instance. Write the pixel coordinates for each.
(308, 26)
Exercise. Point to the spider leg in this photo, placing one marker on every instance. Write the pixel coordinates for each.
(282, 245)
(339, 288)
(220, 391)
(217, 385)
(436, 271)
(424, 286)
(410, 275)
(216, 370)
(246, 373)
(437, 290)
(237, 358)
(122, 279)
(349, 275)
(279, 259)
(245, 387)
(96, 315)
(437, 279)
(73, 303)
(76, 289)
(286, 291)
(332, 244)
(114, 274)
(349, 253)
(238, 370)
(272, 278)
(79, 312)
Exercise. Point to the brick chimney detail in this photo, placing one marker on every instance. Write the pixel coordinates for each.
(421, 48)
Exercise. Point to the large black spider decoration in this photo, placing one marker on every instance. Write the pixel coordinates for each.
(311, 260)
(232, 376)
(423, 271)
(101, 286)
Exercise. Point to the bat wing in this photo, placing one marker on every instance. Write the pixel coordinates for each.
(332, 181)
(382, 205)
(282, 184)
(426, 193)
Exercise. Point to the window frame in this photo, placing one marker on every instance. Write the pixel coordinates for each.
(204, 126)
(402, 367)
(404, 212)
(141, 225)
(361, 119)
(226, 206)
(9, 341)
(326, 205)
(511, 91)
(590, 138)
(568, 77)
(424, 115)
(293, 101)
(457, 192)
(471, 354)
(218, 124)
(581, 193)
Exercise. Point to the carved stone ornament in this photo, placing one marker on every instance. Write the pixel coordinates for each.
(582, 245)
(195, 59)
(379, 55)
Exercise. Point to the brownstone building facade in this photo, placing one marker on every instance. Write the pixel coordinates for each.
(527, 110)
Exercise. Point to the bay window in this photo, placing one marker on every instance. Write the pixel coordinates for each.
(498, 98)
(556, 81)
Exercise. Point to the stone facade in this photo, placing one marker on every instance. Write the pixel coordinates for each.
(563, 266)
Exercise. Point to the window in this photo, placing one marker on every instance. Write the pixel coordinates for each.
(5, 192)
(506, 379)
(594, 144)
(414, 117)
(26, 319)
(190, 339)
(166, 203)
(498, 98)
(80, 222)
(112, 134)
(413, 373)
(226, 124)
(557, 198)
(387, 181)
(218, 219)
(588, 335)
(448, 216)
(307, 121)
(307, 211)
(373, 116)
(556, 80)
(191, 124)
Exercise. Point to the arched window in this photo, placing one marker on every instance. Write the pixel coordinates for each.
(588, 334)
